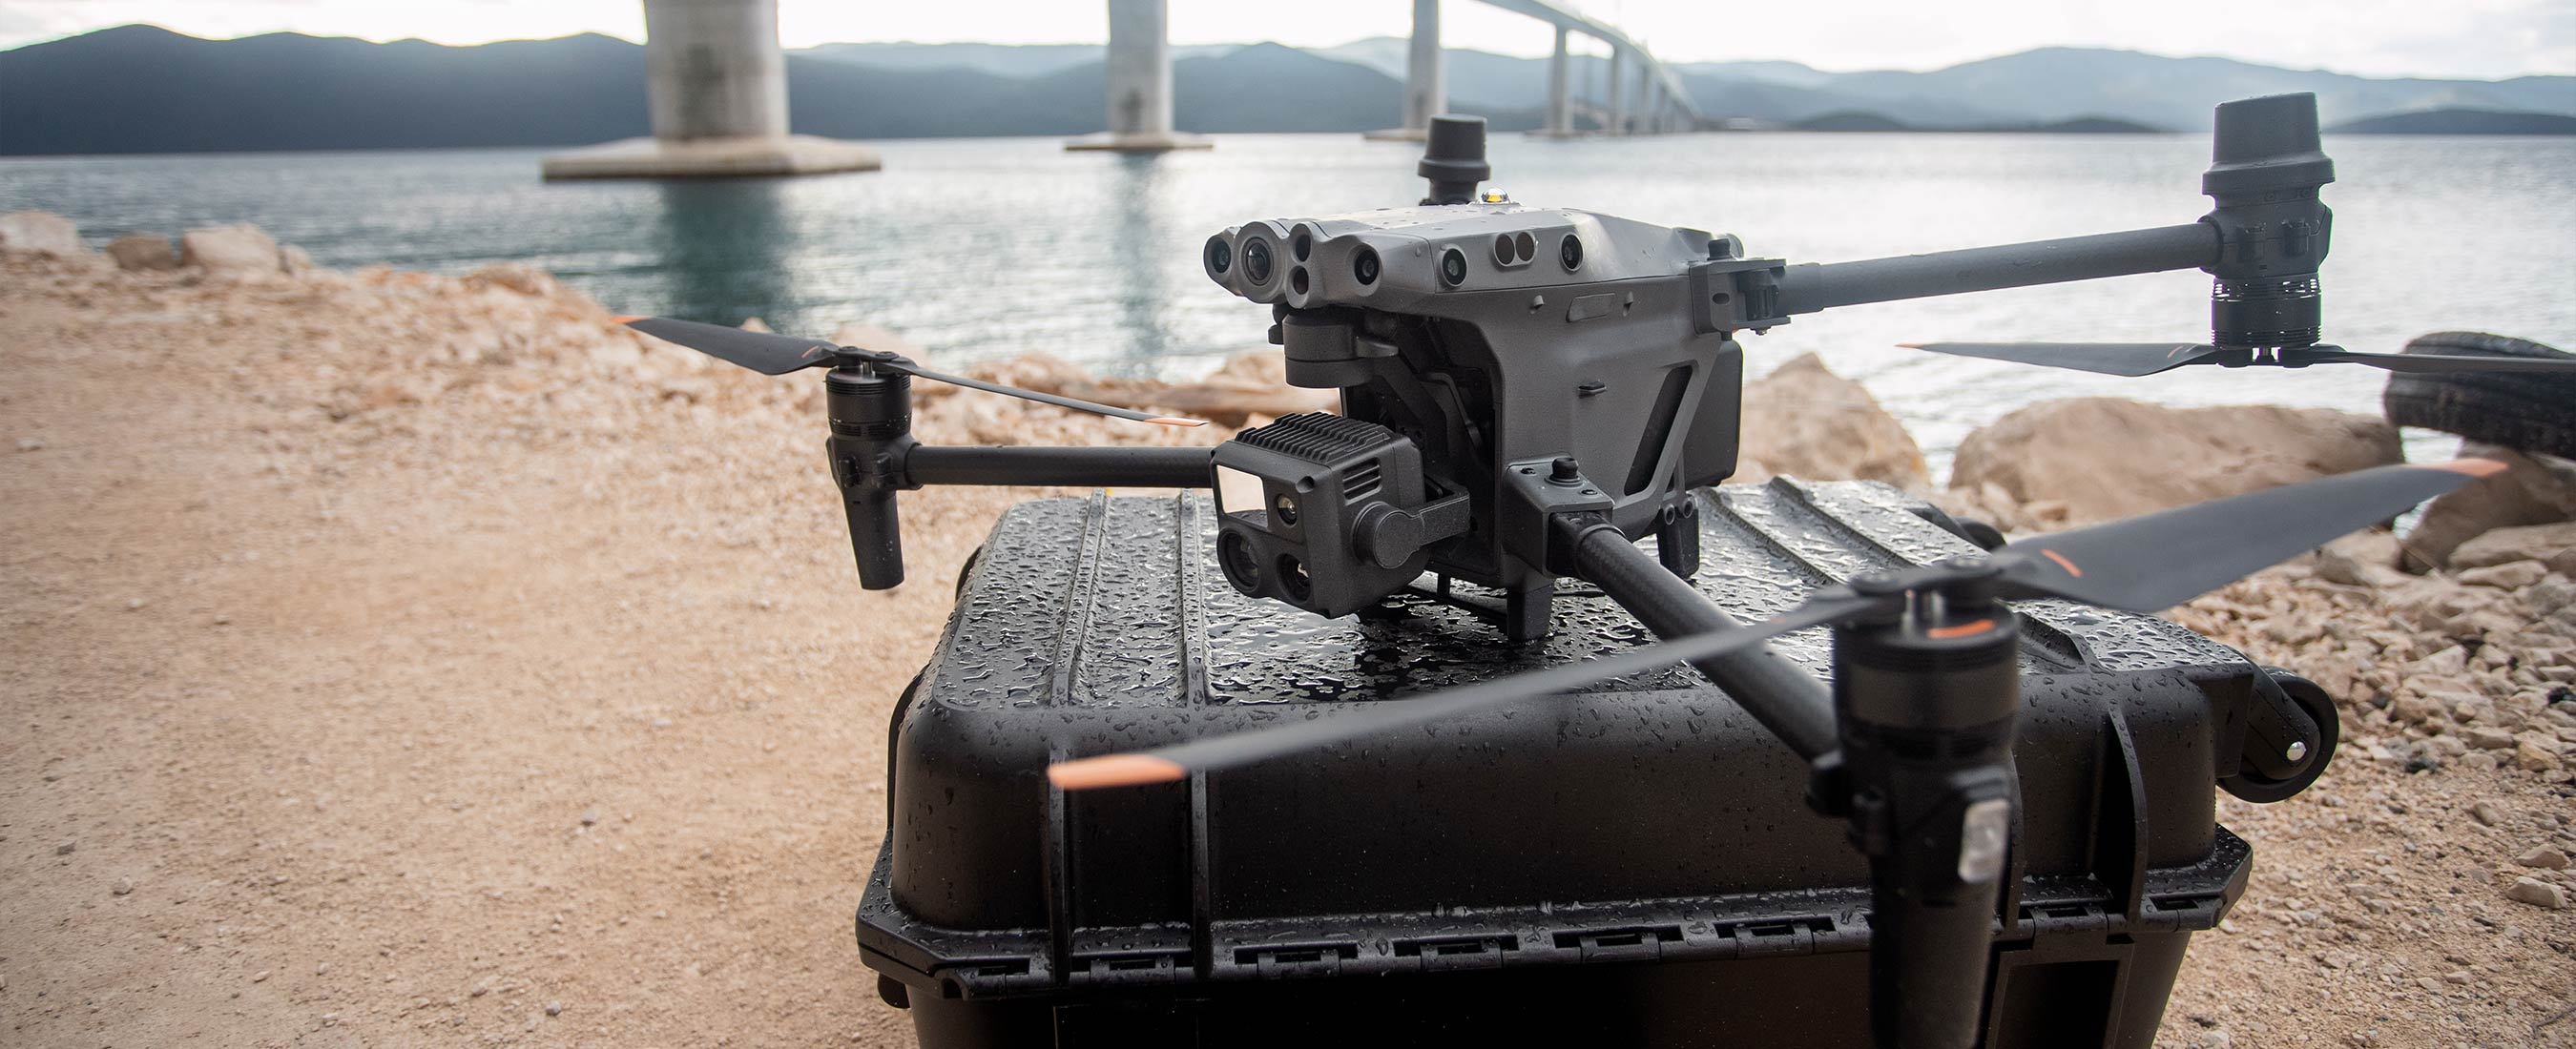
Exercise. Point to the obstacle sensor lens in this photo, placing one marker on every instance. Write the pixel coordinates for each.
(1302, 246)
(1570, 251)
(1364, 266)
(1220, 256)
(1453, 267)
(1256, 261)
(1503, 252)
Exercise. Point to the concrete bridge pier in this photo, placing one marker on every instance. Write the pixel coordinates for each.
(1426, 78)
(1139, 75)
(1560, 111)
(1617, 93)
(717, 89)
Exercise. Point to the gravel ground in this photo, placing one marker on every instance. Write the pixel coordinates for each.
(405, 660)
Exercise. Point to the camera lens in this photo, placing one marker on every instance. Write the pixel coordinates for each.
(1256, 261)
(1453, 267)
(1234, 554)
(1364, 266)
(1220, 255)
(1570, 251)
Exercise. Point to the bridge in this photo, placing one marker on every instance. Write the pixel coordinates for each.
(717, 87)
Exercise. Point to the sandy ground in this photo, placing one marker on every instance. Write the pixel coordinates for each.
(394, 660)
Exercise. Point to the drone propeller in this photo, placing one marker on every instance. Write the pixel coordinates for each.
(2139, 564)
(2134, 359)
(771, 354)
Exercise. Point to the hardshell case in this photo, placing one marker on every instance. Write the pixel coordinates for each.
(1631, 865)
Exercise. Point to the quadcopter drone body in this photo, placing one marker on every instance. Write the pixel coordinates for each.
(1525, 394)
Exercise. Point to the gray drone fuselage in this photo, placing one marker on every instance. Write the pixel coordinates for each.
(1500, 339)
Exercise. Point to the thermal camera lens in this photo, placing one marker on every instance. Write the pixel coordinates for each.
(1453, 267)
(1570, 251)
(1364, 266)
(1220, 255)
(1503, 249)
(1256, 261)
(1234, 554)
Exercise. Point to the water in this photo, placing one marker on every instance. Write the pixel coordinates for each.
(991, 248)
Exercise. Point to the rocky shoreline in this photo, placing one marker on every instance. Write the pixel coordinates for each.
(2451, 649)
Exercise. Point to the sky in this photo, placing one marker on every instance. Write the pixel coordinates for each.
(2468, 39)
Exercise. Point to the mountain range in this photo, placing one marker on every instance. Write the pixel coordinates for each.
(143, 89)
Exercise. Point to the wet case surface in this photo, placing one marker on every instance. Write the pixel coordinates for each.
(1633, 864)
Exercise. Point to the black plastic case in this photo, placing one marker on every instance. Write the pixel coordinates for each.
(1633, 865)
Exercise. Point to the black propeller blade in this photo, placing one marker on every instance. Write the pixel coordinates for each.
(2141, 564)
(2148, 358)
(771, 354)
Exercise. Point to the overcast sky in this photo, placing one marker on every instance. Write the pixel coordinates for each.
(2485, 39)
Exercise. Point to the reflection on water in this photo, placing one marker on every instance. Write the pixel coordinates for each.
(1136, 235)
(737, 238)
(992, 248)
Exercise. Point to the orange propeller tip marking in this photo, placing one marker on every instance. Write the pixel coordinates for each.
(1909, 345)
(1947, 633)
(1166, 420)
(1114, 770)
(628, 318)
(2472, 467)
(2062, 562)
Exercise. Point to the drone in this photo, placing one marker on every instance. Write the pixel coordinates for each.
(1528, 393)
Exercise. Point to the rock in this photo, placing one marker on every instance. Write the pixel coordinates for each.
(2532, 490)
(65, 849)
(2362, 559)
(2533, 752)
(1804, 421)
(2487, 738)
(143, 251)
(2537, 893)
(2543, 857)
(518, 277)
(2105, 457)
(554, 1008)
(2552, 545)
(755, 324)
(2512, 575)
(294, 260)
(259, 977)
(590, 816)
(230, 251)
(2428, 708)
(39, 233)
(125, 886)
(2487, 813)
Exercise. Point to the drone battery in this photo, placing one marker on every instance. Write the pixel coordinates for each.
(1632, 865)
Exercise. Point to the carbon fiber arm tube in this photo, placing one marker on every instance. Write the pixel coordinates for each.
(1786, 700)
(1811, 287)
(931, 464)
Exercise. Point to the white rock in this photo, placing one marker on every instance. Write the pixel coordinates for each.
(2553, 545)
(2104, 457)
(230, 251)
(2532, 490)
(1804, 421)
(39, 233)
(2543, 857)
(2512, 575)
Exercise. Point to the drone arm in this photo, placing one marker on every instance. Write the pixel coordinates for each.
(931, 464)
(1786, 700)
(1812, 287)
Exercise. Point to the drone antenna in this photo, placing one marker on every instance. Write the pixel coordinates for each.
(1453, 158)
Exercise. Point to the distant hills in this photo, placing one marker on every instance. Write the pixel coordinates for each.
(142, 89)
(2460, 122)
